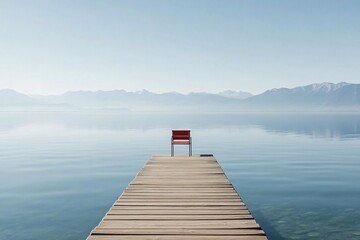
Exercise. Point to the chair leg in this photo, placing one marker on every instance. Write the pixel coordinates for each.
(172, 150)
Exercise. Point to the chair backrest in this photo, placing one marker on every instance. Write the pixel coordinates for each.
(181, 134)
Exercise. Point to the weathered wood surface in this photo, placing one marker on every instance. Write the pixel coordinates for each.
(177, 198)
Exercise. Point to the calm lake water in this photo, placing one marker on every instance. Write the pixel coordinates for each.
(60, 172)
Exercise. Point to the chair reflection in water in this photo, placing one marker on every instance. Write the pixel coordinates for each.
(181, 137)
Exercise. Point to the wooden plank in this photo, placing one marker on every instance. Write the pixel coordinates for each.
(177, 194)
(178, 211)
(179, 198)
(141, 216)
(146, 231)
(157, 203)
(174, 237)
(136, 189)
(175, 199)
(223, 224)
(179, 185)
(183, 208)
(176, 178)
(178, 189)
(183, 183)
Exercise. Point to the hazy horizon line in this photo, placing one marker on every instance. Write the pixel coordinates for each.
(158, 92)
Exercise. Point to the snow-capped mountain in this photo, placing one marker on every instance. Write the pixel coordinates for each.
(318, 94)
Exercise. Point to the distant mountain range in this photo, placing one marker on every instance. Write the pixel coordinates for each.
(235, 94)
(319, 96)
(12, 98)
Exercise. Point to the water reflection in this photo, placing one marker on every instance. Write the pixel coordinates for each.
(61, 171)
(319, 125)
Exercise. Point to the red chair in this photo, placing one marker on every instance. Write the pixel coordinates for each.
(181, 137)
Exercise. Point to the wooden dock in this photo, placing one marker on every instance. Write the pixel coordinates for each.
(177, 198)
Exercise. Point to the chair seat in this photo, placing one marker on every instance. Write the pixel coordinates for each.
(181, 142)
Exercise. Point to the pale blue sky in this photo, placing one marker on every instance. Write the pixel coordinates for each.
(49, 47)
